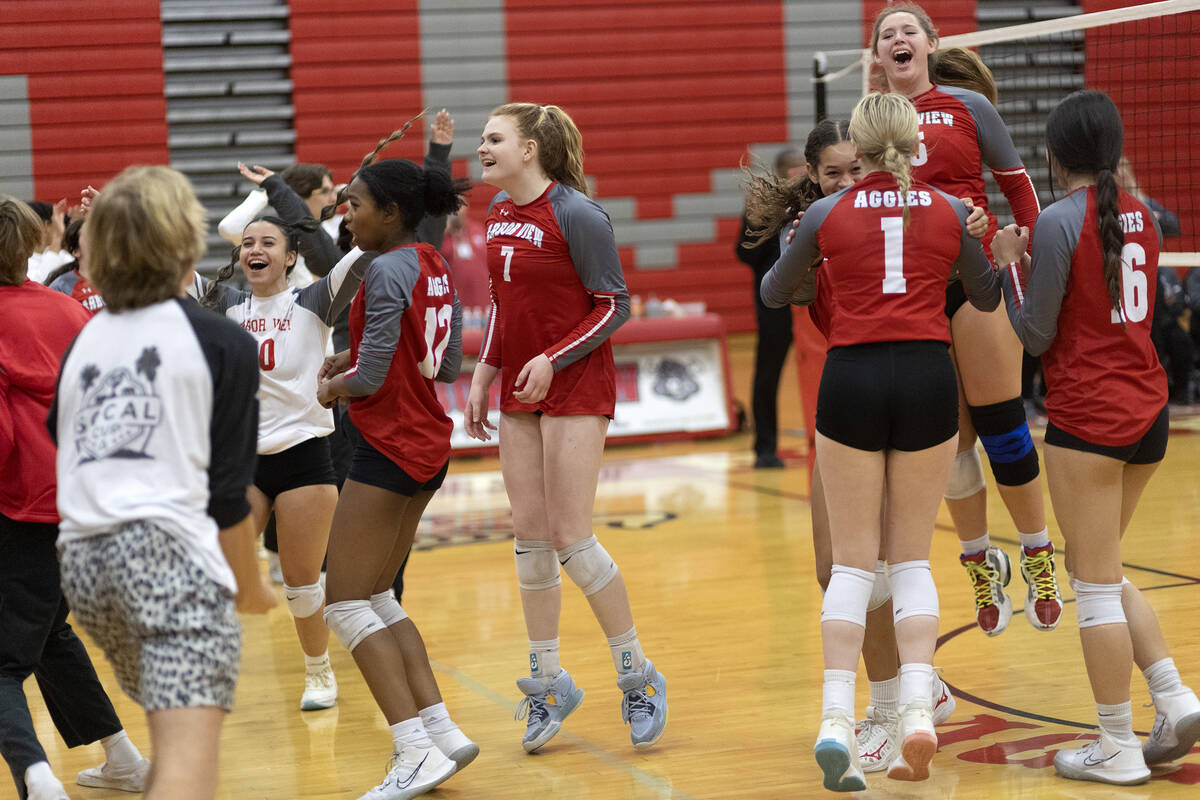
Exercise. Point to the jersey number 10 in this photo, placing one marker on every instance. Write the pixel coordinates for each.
(1135, 293)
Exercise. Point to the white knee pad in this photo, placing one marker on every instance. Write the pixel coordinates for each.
(387, 607)
(847, 596)
(537, 564)
(913, 591)
(588, 564)
(966, 477)
(304, 601)
(1098, 604)
(352, 621)
(881, 590)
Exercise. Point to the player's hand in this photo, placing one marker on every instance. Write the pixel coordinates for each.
(1025, 263)
(58, 224)
(333, 366)
(791, 234)
(534, 380)
(977, 221)
(255, 174)
(1010, 244)
(475, 419)
(86, 197)
(258, 598)
(443, 128)
(326, 395)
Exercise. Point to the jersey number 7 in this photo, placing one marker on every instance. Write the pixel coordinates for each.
(437, 336)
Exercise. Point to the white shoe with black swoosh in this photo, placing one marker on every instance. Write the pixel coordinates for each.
(412, 771)
(1106, 761)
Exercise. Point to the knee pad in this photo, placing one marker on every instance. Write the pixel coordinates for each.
(881, 589)
(537, 564)
(966, 478)
(588, 564)
(1005, 435)
(913, 591)
(352, 621)
(304, 601)
(848, 594)
(1098, 603)
(387, 608)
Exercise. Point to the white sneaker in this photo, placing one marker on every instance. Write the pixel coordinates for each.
(274, 568)
(52, 792)
(877, 740)
(1105, 761)
(837, 754)
(455, 746)
(1176, 726)
(106, 776)
(942, 701)
(918, 743)
(320, 688)
(412, 771)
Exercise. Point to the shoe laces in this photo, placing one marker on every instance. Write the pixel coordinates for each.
(532, 707)
(982, 575)
(636, 703)
(321, 679)
(1039, 571)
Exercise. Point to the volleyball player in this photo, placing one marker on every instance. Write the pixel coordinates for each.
(1088, 311)
(886, 415)
(405, 333)
(557, 295)
(960, 132)
(155, 416)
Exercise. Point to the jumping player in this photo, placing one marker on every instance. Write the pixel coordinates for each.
(1088, 312)
(557, 295)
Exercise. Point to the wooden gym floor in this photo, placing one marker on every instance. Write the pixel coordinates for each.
(718, 560)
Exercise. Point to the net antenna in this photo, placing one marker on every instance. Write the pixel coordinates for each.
(1141, 56)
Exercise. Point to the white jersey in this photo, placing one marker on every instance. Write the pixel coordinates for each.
(292, 331)
(155, 418)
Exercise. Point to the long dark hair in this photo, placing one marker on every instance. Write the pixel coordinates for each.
(1084, 135)
(772, 199)
(414, 191)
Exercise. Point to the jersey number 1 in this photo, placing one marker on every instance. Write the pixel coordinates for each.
(437, 320)
(1135, 295)
(893, 255)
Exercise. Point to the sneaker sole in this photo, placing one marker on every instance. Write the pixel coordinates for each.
(317, 705)
(554, 727)
(1031, 615)
(915, 755)
(100, 782)
(464, 755)
(834, 761)
(1096, 776)
(1187, 731)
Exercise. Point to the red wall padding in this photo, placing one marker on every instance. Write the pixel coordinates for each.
(95, 83)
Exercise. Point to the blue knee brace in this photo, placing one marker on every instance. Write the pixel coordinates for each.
(1005, 435)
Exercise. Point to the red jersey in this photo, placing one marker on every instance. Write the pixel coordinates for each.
(960, 133)
(1104, 380)
(887, 282)
(404, 308)
(557, 289)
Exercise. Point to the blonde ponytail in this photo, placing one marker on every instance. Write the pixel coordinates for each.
(884, 128)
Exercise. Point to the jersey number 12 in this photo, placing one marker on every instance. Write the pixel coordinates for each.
(437, 336)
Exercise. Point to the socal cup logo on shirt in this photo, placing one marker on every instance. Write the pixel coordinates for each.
(120, 411)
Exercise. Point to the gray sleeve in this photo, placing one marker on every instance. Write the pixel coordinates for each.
(793, 270)
(331, 294)
(319, 251)
(388, 288)
(1034, 316)
(980, 281)
(432, 230)
(224, 297)
(65, 283)
(995, 143)
(452, 356)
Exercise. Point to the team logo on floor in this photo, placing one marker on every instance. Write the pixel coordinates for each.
(120, 410)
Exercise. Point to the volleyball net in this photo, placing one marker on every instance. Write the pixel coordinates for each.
(1141, 56)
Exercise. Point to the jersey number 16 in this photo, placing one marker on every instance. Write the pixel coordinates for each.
(1135, 292)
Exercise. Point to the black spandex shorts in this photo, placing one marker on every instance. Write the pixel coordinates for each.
(1150, 449)
(373, 468)
(956, 297)
(304, 464)
(888, 396)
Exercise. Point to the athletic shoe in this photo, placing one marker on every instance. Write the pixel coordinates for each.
(545, 707)
(125, 779)
(1105, 761)
(412, 771)
(876, 740)
(1043, 601)
(918, 743)
(455, 746)
(644, 706)
(53, 792)
(942, 701)
(320, 689)
(1176, 727)
(837, 754)
(274, 568)
(990, 571)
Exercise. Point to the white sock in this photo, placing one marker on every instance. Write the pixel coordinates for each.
(436, 719)
(543, 659)
(119, 750)
(884, 695)
(1032, 541)
(1117, 721)
(915, 680)
(1162, 677)
(410, 733)
(39, 779)
(314, 663)
(972, 546)
(838, 692)
(627, 652)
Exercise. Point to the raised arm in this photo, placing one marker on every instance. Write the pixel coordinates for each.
(433, 229)
(329, 296)
(999, 153)
(235, 221)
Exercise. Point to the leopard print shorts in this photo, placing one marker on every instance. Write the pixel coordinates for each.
(169, 631)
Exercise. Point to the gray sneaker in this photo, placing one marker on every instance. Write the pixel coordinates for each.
(544, 708)
(644, 706)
